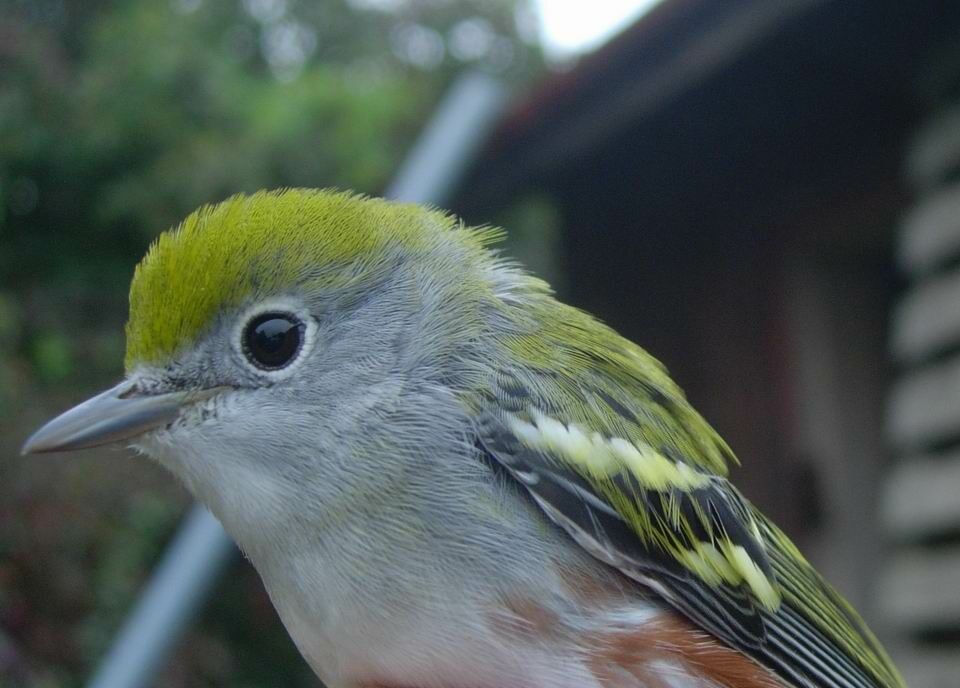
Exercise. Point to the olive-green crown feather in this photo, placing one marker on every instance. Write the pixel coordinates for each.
(267, 243)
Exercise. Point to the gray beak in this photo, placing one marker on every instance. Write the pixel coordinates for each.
(120, 413)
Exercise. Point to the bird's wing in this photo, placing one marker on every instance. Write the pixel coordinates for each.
(612, 452)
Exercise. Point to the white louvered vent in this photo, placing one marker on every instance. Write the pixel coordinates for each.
(920, 581)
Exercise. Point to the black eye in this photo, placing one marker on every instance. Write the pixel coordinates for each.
(271, 340)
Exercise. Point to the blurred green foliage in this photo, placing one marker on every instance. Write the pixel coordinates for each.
(116, 119)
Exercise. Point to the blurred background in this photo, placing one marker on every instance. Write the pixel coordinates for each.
(765, 195)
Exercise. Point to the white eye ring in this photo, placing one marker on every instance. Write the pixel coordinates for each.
(284, 308)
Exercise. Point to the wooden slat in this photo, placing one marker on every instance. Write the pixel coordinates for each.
(931, 231)
(927, 320)
(922, 497)
(935, 151)
(925, 405)
(918, 590)
(919, 587)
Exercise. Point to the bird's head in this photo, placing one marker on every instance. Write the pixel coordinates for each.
(269, 331)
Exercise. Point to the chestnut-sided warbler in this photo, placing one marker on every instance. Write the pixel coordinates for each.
(446, 477)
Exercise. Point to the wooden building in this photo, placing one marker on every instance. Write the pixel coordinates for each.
(765, 195)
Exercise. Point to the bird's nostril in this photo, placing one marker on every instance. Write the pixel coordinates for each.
(132, 390)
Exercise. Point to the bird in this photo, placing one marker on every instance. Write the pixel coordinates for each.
(445, 476)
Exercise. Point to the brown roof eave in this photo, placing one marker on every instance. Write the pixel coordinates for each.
(673, 48)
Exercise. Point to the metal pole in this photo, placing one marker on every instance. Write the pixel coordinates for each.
(201, 549)
(177, 590)
(450, 141)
